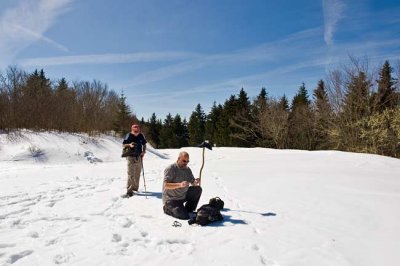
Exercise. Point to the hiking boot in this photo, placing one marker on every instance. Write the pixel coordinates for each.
(192, 215)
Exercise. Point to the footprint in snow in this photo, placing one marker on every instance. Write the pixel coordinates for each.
(124, 222)
(15, 257)
(62, 258)
(51, 242)
(33, 234)
(116, 238)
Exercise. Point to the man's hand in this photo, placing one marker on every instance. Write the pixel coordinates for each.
(132, 145)
(184, 184)
(196, 182)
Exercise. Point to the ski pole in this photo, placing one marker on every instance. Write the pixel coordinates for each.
(144, 179)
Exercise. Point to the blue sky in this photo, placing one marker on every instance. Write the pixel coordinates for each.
(167, 56)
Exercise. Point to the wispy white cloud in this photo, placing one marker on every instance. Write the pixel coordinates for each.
(270, 52)
(107, 58)
(243, 81)
(39, 36)
(333, 12)
(26, 23)
(289, 75)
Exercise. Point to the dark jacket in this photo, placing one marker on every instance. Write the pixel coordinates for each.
(139, 141)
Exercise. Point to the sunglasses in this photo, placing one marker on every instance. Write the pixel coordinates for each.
(185, 161)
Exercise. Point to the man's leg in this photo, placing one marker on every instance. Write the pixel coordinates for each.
(192, 198)
(130, 181)
(175, 209)
(137, 169)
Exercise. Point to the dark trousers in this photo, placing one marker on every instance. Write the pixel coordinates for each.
(177, 209)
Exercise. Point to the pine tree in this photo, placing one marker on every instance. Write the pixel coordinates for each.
(241, 122)
(65, 110)
(180, 130)
(284, 103)
(243, 103)
(301, 122)
(260, 103)
(196, 126)
(123, 117)
(301, 98)
(223, 134)
(212, 123)
(356, 107)
(386, 96)
(357, 98)
(154, 127)
(36, 100)
(323, 116)
(258, 110)
(167, 136)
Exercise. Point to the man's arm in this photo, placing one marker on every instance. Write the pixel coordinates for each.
(143, 150)
(129, 145)
(176, 185)
(196, 182)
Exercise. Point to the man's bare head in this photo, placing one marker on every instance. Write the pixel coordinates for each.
(183, 159)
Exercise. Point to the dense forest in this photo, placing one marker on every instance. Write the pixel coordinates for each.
(353, 109)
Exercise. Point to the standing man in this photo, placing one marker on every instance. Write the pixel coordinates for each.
(176, 189)
(136, 142)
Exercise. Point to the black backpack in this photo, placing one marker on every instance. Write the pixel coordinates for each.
(208, 213)
(217, 202)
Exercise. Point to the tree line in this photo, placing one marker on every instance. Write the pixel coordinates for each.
(32, 101)
(353, 109)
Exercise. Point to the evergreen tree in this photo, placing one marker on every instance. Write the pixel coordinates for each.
(243, 103)
(212, 123)
(260, 103)
(154, 127)
(356, 107)
(243, 131)
(224, 131)
(284, 103)
(301, 98)
(357, 98)
(196, 126)
(167, 135)
(185, 134)
(65, 110)
(323, 116)
(301, 122)
(180, 130)
(36, 101)
(386, 96)
(123, 117)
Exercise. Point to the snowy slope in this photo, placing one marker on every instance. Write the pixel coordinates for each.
(60, 204)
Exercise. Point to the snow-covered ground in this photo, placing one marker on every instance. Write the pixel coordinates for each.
(60, 204)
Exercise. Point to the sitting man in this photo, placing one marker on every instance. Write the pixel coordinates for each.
(176, 189)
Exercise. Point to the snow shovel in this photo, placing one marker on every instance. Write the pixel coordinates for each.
(203, 145)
